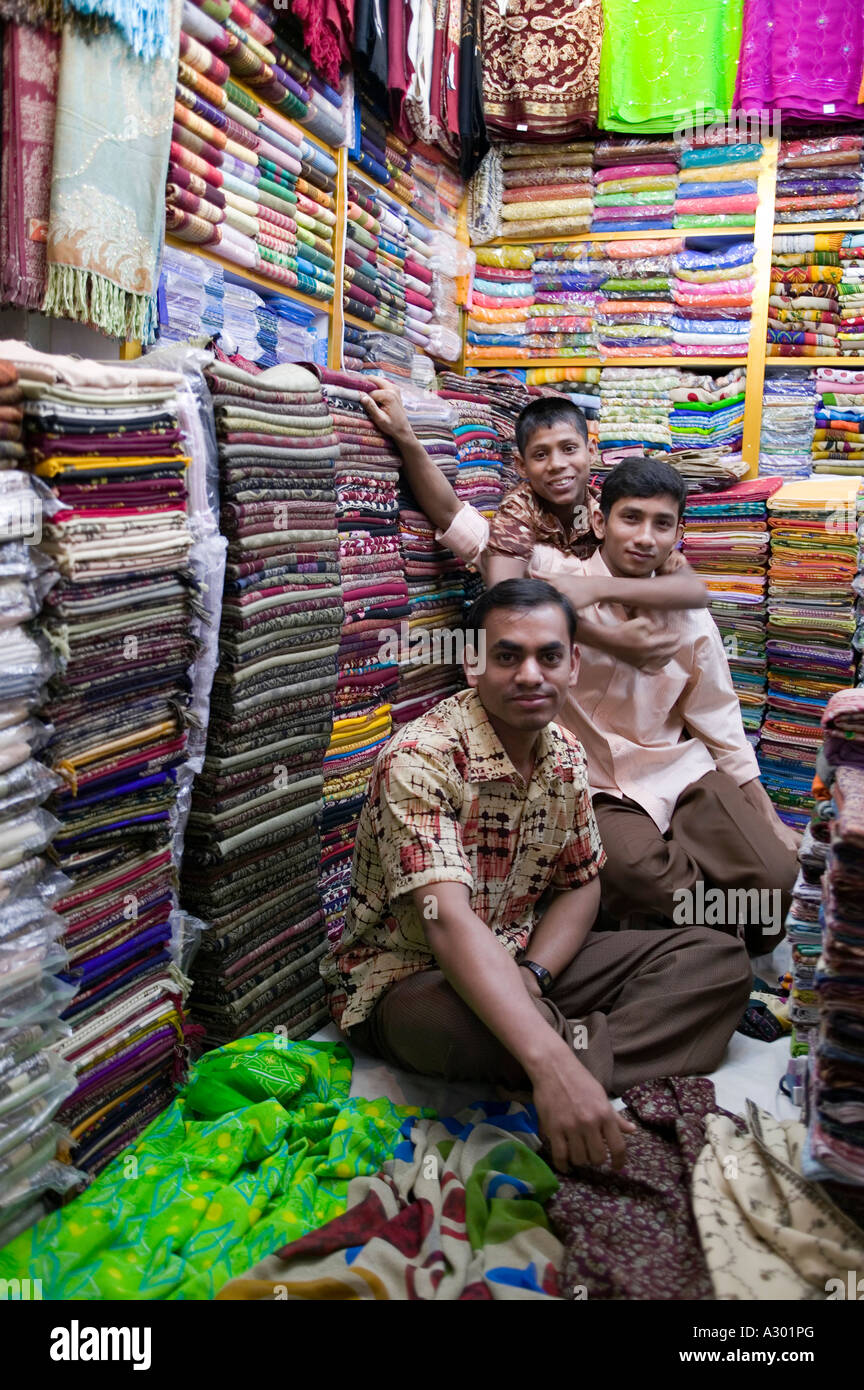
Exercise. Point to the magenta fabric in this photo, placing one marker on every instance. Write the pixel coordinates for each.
(804, 57)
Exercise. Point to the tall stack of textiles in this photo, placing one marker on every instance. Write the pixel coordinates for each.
(850, 333)
(425, 173)
(713, 293)
(634, 413)
(635, 182)
(33, 1080)
(583, 390)
(502, 296)
(811, 623)
(378, 354)
(788, 411)
(310, 98)
(819, 178)
(243, 180)
(803, 308)
(706, 424)
(262, 334)
(479, 478)
(838, 437)
(424, 307)
(548, 189)
(378, 151)
(430, 644)
(252, 842)
(375, 253)
(804, 932)
(634, 312)
(717, 186)
(191, 297)
(375, 605)
(107, 440)
(726, 542)
(834, 1147)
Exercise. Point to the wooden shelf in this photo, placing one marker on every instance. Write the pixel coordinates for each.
(660, 234)
(683, 362)
(838, 228)
(320, 306)
(853, 363)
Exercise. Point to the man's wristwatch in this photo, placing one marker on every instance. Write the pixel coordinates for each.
(540, 973)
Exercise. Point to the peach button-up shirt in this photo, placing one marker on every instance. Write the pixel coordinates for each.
(646, 736)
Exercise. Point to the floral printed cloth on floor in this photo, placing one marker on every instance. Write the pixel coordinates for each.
(255, 1152)
(456, 1214)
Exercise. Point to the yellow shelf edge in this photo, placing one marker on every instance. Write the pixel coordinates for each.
(813, 362)
(838, 228)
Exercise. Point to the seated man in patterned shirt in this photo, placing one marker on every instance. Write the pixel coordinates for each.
(468, 952)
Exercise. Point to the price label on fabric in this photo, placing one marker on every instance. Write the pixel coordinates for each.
(829, 108)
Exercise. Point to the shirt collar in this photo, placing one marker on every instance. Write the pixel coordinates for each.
(488, 760)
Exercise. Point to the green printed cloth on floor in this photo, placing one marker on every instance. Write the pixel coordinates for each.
(257, 1150)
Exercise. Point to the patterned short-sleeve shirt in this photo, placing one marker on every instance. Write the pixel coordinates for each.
(446, 805)
(523, 521)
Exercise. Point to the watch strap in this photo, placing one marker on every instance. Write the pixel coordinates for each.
(540, 973)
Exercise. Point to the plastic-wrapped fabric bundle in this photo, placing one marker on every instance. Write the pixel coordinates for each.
(704, 200)
(713, 291)
(786, 438)
(634, 192)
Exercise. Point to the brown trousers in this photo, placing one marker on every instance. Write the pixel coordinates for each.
(634, 1005)
(715, 836)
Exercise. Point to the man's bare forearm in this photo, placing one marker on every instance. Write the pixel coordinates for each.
(433, 493)
(561, 931)
(672, 591)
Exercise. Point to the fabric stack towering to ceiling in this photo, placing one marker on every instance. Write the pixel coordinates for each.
(376, 604)
(786, 437)
(726, 541)
(108, 442)
(252, 844)
(479, 479)
(811, 623)
(243, 179)
(429, 651)
(33, 1081)
(834, 1142)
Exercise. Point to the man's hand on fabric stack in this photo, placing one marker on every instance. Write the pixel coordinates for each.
(385, 409)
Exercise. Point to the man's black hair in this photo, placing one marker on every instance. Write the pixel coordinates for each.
(643, 477)
(544, 414)
(523, 594)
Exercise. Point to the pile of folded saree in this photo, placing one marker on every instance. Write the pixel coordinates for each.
(706, 423)
(834, 1146)
(838, 440)
(502, 296)
(33, 1081)
(786, 436)
(850, 332)
(804, 933)
(635, 181)
(811, 623)
(712, 291)
(726, 542)
(430, 646)
(381, 153)
(375, 605)
(252, 842)
(634, 310)
(634, 413)
(548, 189)
(819, 178)
(108, 442)
(243, 179)
(803, 309)
(717, 185)
(479, 442)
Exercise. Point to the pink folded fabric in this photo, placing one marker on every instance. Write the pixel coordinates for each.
(744, 202)
(634, 171)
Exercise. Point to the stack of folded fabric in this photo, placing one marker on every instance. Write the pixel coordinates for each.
(838, 437)
(786, 438)
(265, 332)
(426, 283)
(819, 178)
(424, 172)
(375, 605)
(850, 332)
(548, 189)
(324, 112)
(803, 309)
(634, 310)
(635, 182)
(387, 274)
(718, 186)
(379, 152)
(582, 390)
(834, 1146)
(713, 292)
(191, 298)
(252, 843)
(33, 1081)
(108, 441)
(726, 542)
(479, 442)
(563, 318)
(501, 299)
(811, 623)
(378, 354)
(804, 932)
(243, 180)
(634, 413)
(431, 639)
(706, 425)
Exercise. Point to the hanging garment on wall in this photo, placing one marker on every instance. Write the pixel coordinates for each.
(541, 65)
(802, 57)
(30, 63)
(667, 62)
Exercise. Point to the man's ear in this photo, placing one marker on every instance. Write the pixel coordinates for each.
(598, 524)
(520, 464)
(471, 667)
(680, 532)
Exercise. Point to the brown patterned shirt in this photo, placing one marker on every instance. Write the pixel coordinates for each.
(446, 805)
(523, 520)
